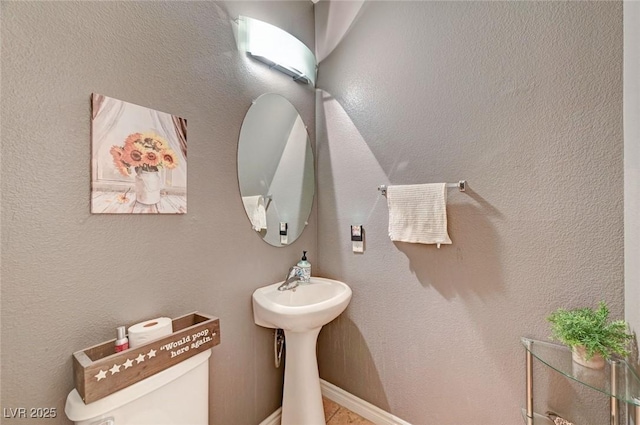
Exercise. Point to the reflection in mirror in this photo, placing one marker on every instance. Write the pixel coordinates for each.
(275, 169)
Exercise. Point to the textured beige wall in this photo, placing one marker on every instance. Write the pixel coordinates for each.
(522, 99)
(69, 277)
(632, 163)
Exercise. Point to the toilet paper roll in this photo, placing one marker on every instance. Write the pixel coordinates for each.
(141, 333)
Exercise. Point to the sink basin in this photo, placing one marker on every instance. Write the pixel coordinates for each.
(308, 306)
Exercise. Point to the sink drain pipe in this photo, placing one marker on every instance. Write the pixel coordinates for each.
(278, 346)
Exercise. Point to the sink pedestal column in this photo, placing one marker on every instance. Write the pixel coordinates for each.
(301, 398)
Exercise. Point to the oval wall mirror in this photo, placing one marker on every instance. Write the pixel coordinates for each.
(275, 170)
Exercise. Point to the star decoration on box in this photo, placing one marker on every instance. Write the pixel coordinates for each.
(101, 375)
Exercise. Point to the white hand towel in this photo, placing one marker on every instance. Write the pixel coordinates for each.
(418, 213)
(255, 208)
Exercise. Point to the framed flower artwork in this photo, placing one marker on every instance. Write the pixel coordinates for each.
(138, 159)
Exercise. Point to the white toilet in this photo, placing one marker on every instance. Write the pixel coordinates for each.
(178, 395)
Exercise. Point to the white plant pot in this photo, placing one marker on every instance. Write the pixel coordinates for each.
(148, 186)
(579, 355)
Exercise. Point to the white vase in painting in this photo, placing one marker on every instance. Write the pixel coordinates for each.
(148, 186)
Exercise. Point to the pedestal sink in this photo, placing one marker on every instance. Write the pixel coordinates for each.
(301, 312)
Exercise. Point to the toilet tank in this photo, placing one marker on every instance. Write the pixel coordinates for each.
(178, 395)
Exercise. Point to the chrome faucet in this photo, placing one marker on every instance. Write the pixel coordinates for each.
(295, 276)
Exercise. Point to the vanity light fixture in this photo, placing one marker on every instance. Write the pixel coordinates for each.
(277, 48)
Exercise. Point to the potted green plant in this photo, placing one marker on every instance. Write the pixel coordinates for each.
(589, 333)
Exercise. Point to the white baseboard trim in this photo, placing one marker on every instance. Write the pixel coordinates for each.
(351, 402)
(274, 418)
(359, 406)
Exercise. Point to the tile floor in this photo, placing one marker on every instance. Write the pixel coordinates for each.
(338, 415)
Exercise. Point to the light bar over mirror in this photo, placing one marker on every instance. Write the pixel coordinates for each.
(277, 48)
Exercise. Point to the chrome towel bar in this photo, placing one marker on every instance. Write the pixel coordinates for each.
(461, 185)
